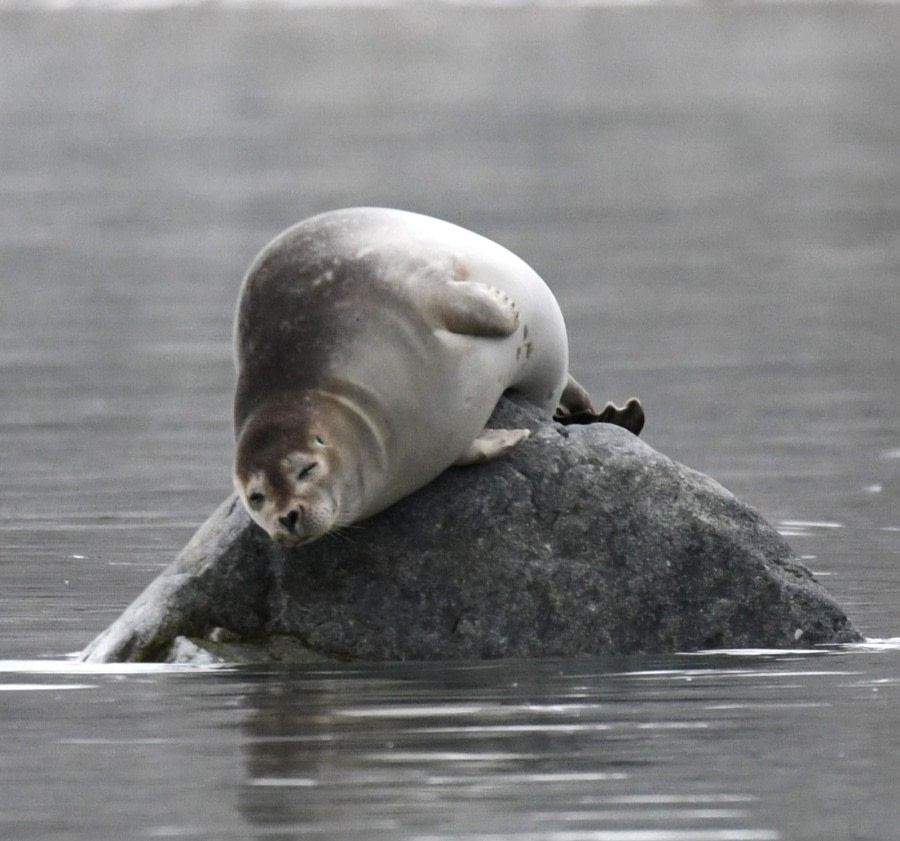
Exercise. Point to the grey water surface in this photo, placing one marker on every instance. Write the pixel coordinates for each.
(712, 190)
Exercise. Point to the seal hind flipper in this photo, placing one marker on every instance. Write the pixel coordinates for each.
(630, 416)
(474, 309)
(574, 400)
(490, 444)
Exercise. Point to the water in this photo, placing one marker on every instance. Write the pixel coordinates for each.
(742, 747)
(711, 190)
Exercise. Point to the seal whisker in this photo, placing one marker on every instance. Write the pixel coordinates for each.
(338, 534)
(342, 524)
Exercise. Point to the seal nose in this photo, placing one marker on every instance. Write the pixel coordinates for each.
(289, 521)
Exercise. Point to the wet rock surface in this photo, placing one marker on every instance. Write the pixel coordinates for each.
(583, 541)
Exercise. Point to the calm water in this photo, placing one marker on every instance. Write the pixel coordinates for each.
(714, 193)
(731, 748)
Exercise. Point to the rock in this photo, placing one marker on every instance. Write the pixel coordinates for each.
(221, 579)
(584, 540)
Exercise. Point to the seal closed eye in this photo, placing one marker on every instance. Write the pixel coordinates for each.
(371, 347)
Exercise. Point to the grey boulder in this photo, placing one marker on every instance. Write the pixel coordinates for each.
(583, 541)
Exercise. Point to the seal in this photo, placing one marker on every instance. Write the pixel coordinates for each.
(372, 346)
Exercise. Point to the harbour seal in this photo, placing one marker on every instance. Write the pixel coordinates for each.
(372, 346)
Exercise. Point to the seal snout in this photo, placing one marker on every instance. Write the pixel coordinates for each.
(290, 520)
(299, 524)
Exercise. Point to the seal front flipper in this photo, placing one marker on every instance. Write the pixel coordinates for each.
(474, 309)
(492, 443)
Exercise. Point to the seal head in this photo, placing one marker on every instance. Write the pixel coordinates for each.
(292, 473)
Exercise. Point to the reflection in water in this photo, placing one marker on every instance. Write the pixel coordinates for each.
(483, 763)
(716, 746)
(554, 751)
